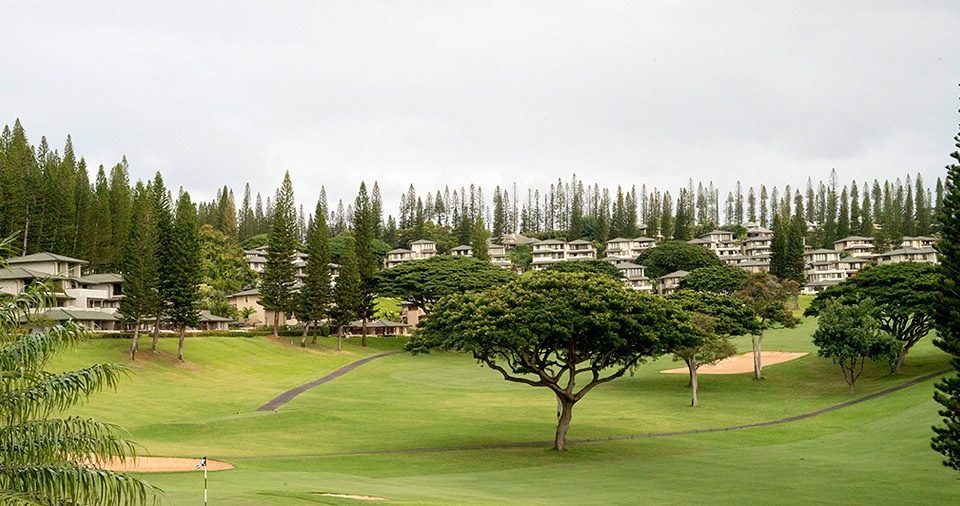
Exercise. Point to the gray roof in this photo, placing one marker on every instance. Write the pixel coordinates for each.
(674, 274)
(378, 323)
(249, 291)
(854, 238)
(207, 316)
(44, 257)
(96, 279)
(64, 314)
(24, 273)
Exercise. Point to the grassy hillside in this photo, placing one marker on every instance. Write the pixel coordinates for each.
(365, 432)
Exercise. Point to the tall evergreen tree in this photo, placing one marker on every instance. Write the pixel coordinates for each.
(376, 211)
(764, 215)
(313, 301)
(366, 263)
(246, 221)
(922, 208)
(478, 242)
(121, 202)
(100, 242)
(866, 217)
(139, 265)
(279, 272)
(346, 293)
(163, 222)
(854, 209)
(947, 436)
(843, 218)
(183, 273)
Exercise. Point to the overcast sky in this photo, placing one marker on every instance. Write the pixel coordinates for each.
(439, 93)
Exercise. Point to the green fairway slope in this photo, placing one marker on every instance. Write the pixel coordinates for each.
(365, 433)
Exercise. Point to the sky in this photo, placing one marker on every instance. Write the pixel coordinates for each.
(444, 93)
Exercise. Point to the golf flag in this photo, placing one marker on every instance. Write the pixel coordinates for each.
(203, 463)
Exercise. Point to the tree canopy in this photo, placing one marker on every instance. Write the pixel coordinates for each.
(673, 256)
(905, 295)
(596, 266)
(716, 317)
(717, 279)
(568, 332)
(423, 282)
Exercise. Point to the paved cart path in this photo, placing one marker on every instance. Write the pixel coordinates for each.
(287, 396)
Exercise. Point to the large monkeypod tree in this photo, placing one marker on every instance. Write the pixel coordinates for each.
(904, 295)
(568, 332)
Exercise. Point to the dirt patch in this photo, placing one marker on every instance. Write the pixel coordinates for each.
(162, 465)
(740, 363)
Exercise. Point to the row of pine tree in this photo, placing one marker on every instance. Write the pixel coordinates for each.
(48, 199)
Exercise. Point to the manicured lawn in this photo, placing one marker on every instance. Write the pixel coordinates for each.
(361, 433)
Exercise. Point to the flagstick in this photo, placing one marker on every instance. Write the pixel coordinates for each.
(204, 485)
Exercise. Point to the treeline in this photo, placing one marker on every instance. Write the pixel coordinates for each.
(50, 200)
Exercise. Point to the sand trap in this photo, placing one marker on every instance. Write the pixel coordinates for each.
(740, 363)
(357, 497)
(163, 465)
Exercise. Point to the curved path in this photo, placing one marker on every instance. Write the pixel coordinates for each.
(287, 396)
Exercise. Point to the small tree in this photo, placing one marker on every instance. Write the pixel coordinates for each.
(715, 318)
(766, 298)
(550, 329)
(849, 335)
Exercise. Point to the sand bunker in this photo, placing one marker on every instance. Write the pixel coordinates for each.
(741, 363)
(163, 465)
(357, 497)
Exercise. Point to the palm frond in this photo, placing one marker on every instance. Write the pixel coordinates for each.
(57, 440)
(25, 399)
(70, 483)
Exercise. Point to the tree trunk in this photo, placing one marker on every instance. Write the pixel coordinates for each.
(340, 338)
(156, 334)
(314, 333)
(757, 348)
(303, 338)
(276, 323)
(183, 330)
(566, 413)
(896, 364)
(692, 367)
(136, 339)
(363, 332)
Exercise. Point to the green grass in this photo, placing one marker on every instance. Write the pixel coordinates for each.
(357, 434)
